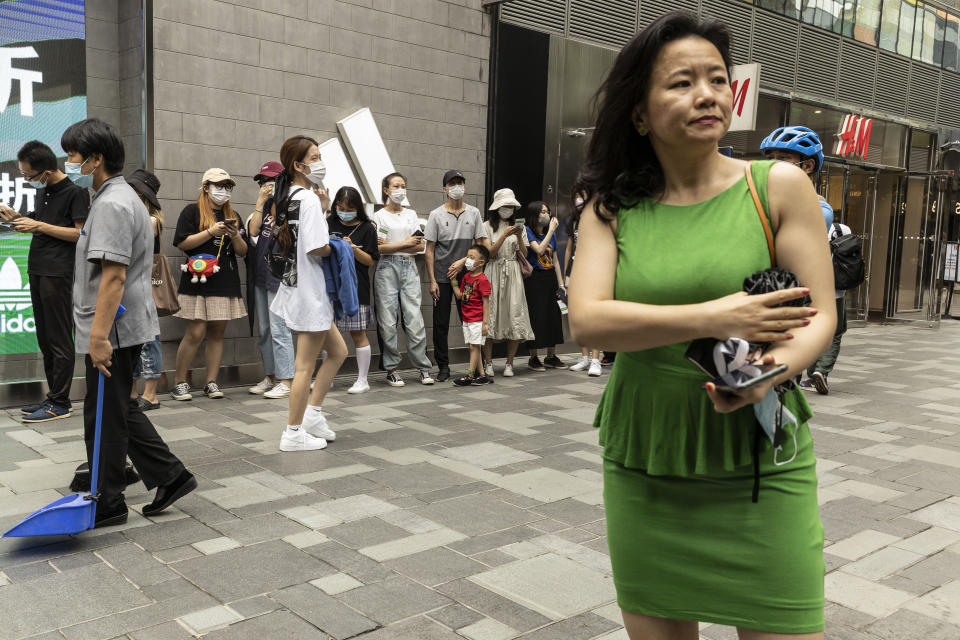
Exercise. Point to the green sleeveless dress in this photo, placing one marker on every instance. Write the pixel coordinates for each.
(686, 541)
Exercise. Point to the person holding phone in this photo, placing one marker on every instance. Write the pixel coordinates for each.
(668, 234)
(544, 287)
(509, 318)
(208, 226)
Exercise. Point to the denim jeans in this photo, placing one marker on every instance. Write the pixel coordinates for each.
(150, 362)
(397, 286)
(828, 358)
(276, 341)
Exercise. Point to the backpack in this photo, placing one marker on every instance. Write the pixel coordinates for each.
(849, 270)
(283, 264)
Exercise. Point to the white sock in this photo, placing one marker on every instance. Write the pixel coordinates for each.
(293, 427)
(363, 363)
(314, 409)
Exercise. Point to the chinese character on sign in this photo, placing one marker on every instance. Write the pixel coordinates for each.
(854, 137)
(25, 77)
(17, 190)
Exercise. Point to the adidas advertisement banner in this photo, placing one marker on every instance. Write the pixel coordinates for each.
(43, 86)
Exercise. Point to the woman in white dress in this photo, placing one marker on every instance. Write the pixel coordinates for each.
(302, 301)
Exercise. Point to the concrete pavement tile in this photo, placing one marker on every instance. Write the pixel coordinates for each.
(310, 517)
(863, 595)
(546, 485)
(493, 605)
(176, 554)
(585, 625)
(330, 474)
(209, 619)
(26, 572)
(488, 629)
(393, 599)
(204, 510)
(930, 541)
(92, 591)
(409, 521)
(479, 544)
(554, 585)
(455, 616)
(860, 544)
(905, 624)
(260, 528)
(305, 539)
(279, 624)
(21, 504)
(456, 491)
(323, 611)
(475, 515)
(417, 478)
(944, 514)
(412, 544)
(942, 604)
(882, 563)
(486, 455)
(903, 583)
(335, 584)
(176, 588)
(255, 606)
(139, 618)
(175, 533)
(215, 545)
(138, 566)
(435, 566)
(420, 628)
(241, 573)
(346, 486)
(493, 558)
(350, 562)
(240, 491)
(167, 631)
(36, 478)
(364, 533)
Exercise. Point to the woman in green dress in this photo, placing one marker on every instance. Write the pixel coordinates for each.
(669, 233)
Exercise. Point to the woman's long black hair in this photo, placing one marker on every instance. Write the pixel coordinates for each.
(352, 198)
(621, 167)
(533, 215)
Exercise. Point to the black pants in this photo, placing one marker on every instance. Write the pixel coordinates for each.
(52, 299)
(441, 324)
(125, 431)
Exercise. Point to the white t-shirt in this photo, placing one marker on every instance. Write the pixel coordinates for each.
(307, 306)
(831, 234)
(397, 226)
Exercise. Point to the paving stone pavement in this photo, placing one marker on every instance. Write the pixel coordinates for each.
(443, 513)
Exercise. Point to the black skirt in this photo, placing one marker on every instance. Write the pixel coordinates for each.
(545, 317)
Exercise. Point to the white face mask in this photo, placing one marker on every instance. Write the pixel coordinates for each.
(219, 195)
(397, 195)
(317, 172)
(470, 264)
(456, 191)
(505, 212)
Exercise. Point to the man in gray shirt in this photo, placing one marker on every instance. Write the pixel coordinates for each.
(451, 230)
(114, 259)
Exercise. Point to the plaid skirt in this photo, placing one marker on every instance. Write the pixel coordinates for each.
(358, 322)
(209, 308)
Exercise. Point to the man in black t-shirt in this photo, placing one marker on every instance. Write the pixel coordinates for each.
(60, 213)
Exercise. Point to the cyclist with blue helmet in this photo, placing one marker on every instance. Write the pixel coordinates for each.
(799, 146)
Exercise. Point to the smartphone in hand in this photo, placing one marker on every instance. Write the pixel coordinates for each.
(742, 381)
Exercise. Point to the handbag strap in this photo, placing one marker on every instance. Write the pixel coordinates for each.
(763, 216)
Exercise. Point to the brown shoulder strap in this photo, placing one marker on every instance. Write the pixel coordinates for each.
(761, 213)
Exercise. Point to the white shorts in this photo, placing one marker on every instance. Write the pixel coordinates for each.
(473, 332)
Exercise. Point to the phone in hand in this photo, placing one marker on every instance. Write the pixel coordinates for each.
(231, 222)
(418, 232)
(742, 381)
(336, 234)
(521, 222)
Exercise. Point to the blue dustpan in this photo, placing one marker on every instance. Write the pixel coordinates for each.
(74, 513)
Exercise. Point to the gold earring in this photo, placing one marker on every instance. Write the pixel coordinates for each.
(642, 130)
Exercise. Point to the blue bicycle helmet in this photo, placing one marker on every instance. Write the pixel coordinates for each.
(797, 139)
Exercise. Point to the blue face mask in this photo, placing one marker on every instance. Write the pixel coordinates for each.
(72, 169)
(36, 184)
(347, 216)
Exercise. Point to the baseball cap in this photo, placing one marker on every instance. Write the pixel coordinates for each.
(216, 176)
(269, 170)
(450, 175)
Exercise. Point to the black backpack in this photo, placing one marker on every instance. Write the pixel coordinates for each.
(283, 263)
(849, 270)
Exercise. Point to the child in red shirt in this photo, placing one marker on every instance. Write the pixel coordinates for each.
(473, 292)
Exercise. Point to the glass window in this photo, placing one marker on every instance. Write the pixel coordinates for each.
(924, 39)
(770, 115)
(861, 21)
(896, 26)
(826, 14)
(790, 8)
(905, 34)
(950, 42)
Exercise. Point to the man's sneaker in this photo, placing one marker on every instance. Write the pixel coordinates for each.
(820, 382)
(48, 411)
(300, 440)
(316, 425)
(360, 386)
(281, 390)
(443, 374)
(508, 370)
(807, 385)
(181, 391)
(463, 381)
(581, 364)
(212, 390)
(554, 362)
(607, 361)
(595, 368)
(535, 364)
(488, 370)
(32, 408)
(479, 381)
(394, 379)
(262, 387)
(425, 378)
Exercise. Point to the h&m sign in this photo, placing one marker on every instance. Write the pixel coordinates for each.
(745, 84)
(853, 139)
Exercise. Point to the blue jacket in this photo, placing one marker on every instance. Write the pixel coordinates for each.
(341, 275)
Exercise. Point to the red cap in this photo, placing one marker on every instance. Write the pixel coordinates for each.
(269, 170)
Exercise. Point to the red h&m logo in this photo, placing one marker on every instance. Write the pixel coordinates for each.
(854, 137)
(739, 98)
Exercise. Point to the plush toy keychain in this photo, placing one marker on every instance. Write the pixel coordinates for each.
(202, 265)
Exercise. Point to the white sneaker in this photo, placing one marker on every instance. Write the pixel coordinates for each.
(581, 364)
(360, 386)
(300, 440)
(488, 370)
(281, 390)
(595, 368)
(262, 387)
(315, 424)
(508, 371)
(425, 378)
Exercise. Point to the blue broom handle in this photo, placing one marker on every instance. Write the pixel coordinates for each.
(96, 437)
